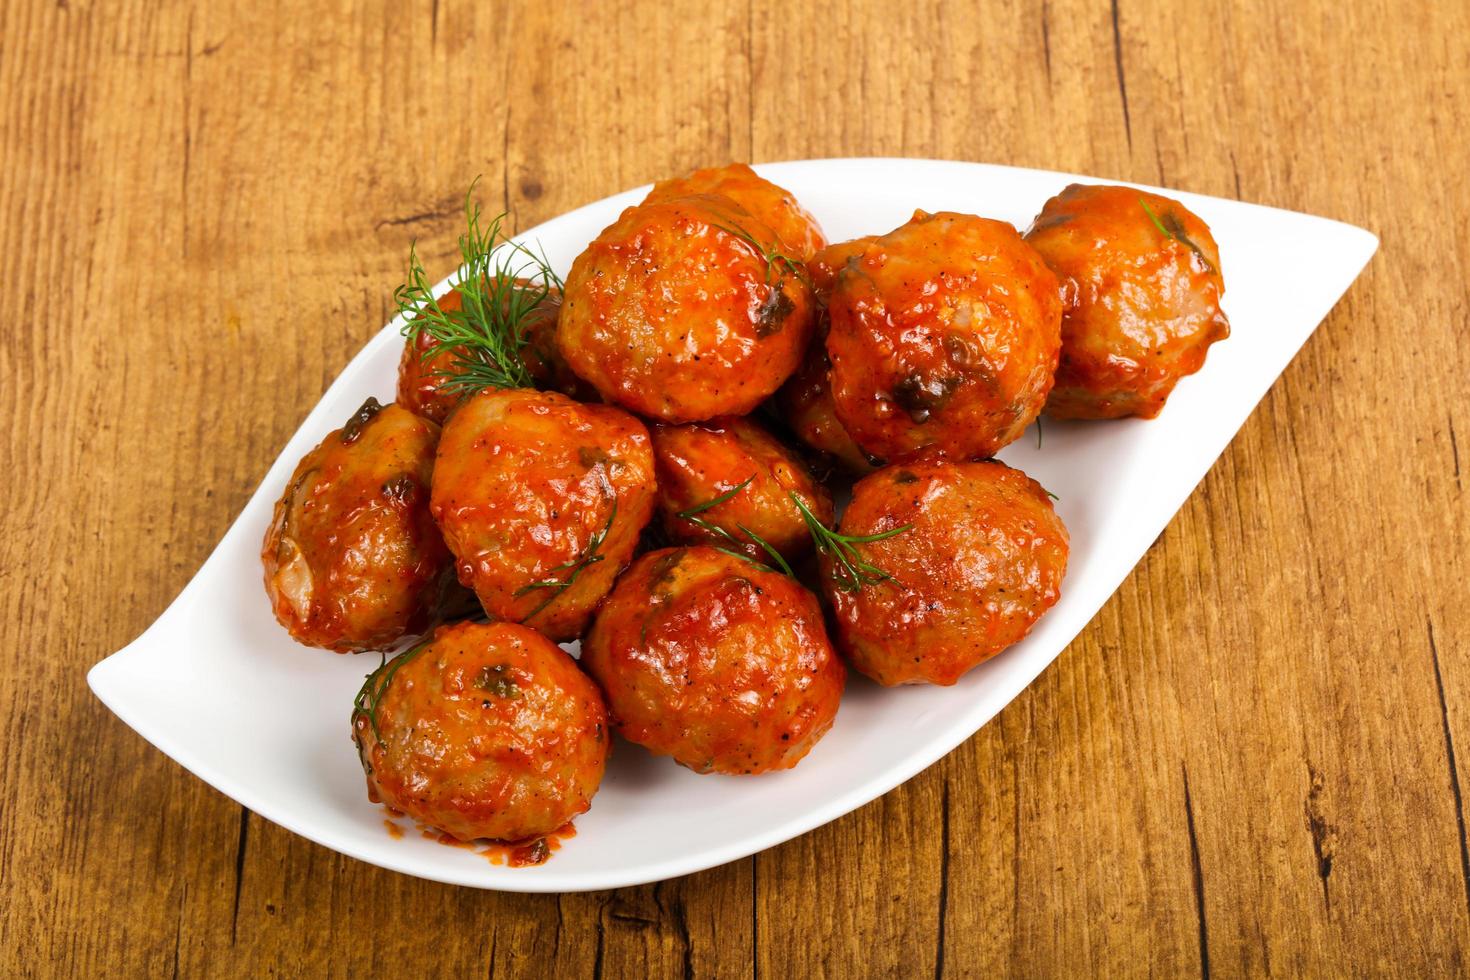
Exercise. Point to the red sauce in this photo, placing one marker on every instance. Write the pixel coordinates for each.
(434, 834)
(516, 854)
(528, 853)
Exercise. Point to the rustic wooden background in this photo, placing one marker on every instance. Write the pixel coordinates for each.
(1246, 765)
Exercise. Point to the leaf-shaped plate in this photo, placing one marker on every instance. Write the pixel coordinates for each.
(219, 686)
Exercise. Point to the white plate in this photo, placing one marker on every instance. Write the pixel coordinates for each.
(219, 686)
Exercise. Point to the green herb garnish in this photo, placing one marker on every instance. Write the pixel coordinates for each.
(1172, 227)
(590, 556)
(851, 571)
(776, 557)
(370, 695)
(501, 283)
(771, 254)
(692, 516)
(723, 498)
(772, 314)
(495, 680)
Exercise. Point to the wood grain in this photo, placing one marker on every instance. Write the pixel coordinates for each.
(1253, 761)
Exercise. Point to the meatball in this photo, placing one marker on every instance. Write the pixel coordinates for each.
(422, 374)
(982, 558)
(352, 558)
(715, 661)
(796, 230)
(542, 499)
(805, 404)
(944, 334)
(1141, 290)
(733, 457)
(542, 357)
(486, 730)
(680, 311)
(805, 401)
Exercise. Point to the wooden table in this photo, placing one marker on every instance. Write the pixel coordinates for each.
(1252, 762)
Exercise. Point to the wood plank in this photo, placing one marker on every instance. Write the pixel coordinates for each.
(1253, 761)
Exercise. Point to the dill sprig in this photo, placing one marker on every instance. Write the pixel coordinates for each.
(723, 498)
(692, 516)
(771, 254)
(589, 556)
(370, 695)
(1172, 227)
(851, 570)
(500, 284)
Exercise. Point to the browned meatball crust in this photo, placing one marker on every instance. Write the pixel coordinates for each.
(701, 462)
(352, 558)
(484, 731)
(796, 230)
(944, 335)
(680, 312)
(542, 499)
(982, 559)
(717, 662)
(1141, 285)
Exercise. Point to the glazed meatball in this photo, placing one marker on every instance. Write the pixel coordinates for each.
(484, 731)
(542, 499)
(944, 334)
(796, 230)
(805, 404)
(542, 357)
(422, 373)
(352, 558)
(805, 400)
(717, 662)
(701, 462)
(982, 559)
(1141, 286)
(678, 312)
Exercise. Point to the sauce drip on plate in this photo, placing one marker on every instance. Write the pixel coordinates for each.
(515, 854)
